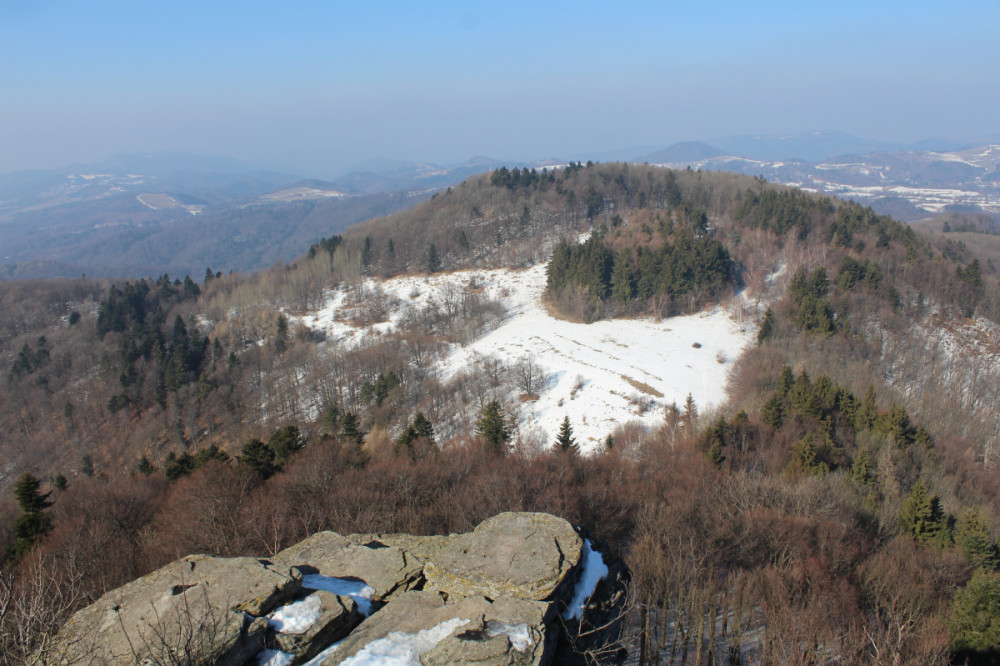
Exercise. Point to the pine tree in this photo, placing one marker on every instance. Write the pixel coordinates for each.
(565, 443)
(145, 467)
(431, 260)
(350, 430)
(868, 412)
(286, 441)
(785, 380)
(766, 327)
(921, 516)
(972, 536)
(862, 472)
(32, 524)
(773, 412)
(281, 335)
(974, 621)
(420, 428)
(690, 413)
(492, 427)
(259, 457)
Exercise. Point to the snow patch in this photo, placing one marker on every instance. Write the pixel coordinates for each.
(401, 649)
(631, 368)
(297, 617)
(358, 590)
(274, 658)
(594, 571)
(517, 634)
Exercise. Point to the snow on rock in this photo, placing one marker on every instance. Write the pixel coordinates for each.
(601, 375)
(401, 649)
(297, 617)
(274, 658)
(594, 571)
(358, 590)
(322, 656)
(517, 634)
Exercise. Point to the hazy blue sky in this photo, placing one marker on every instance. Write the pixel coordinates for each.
(319, 85)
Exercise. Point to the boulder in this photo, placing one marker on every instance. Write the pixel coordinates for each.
(470, 630)
(204, 608)
(338, 615)
(387, 569)
(520, 555)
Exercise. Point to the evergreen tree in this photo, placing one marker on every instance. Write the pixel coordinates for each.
(565, 442)
(330, 417)
(972, 536)
(609, 442)
(420, 428)
(785, 380)
(766, 327)
(492, 427)
(281, 335)
(921, 516)
(259, 457)
(974, 621)
(145, 467)
(59, 482)
(286, 441)
(690, 413)
(350, 430)
(868, 412)
(32, 524)
(773, 413)
(431, 260)
(175, 466)
(208, 454)
(861, 471)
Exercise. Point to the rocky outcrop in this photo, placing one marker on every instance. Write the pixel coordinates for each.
(211, 607)
(521, 555)
(497, 595)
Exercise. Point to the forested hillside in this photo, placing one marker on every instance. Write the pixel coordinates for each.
(841, 506)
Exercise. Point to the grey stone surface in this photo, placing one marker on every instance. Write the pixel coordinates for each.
(338, 616)
(385, 568)
(199, 607)
(470, 643)
(521, 555)
(502, 587)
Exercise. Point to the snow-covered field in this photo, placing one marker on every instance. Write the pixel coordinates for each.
(599, 375)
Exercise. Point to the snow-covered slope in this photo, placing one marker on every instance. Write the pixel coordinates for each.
(600, 375)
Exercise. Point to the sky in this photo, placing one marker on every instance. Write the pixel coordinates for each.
(320, 86)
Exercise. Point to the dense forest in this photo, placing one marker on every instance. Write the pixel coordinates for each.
(841, 506)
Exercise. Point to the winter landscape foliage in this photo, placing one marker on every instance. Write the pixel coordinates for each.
(788, 423)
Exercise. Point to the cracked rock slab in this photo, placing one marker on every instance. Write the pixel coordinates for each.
(478, 637)
(520, 555)
(387, 569)
(338, 616)
(204, 608)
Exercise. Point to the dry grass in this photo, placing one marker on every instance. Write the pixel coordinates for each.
(642, 386)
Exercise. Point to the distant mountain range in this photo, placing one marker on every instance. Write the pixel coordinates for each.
(144, 214)
(908, 183)
(134, 215)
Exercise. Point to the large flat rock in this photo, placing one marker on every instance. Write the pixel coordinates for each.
(520, 555)
(199, 609)
(387, 569)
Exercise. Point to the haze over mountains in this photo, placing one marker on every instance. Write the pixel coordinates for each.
(179, 213)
